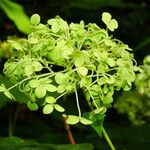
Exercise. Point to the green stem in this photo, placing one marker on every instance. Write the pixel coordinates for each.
(108, 139)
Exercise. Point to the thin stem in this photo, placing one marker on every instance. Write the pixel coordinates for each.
(18, 83)
(70, 135)
(92, 97)
(61, 95)
(108, 139)
(77, 101)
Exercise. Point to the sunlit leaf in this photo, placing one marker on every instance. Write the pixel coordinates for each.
(85, 121)
(34, 83)
(59, 77)
(40, 91)
(83, 71)
(35, 19)
(112, 25)
(8, 94)
(50, 99)
(106, 17)
(48, 109)
(72, 119)
(50, 87)
(59, 108)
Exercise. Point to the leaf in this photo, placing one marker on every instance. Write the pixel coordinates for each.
(50, 87)
(83, 71)
(28, 70)
(34, 83)
(50, 99)
(15, 44)
(37, 66)
(2, 88)
(83, 82)
(8, 94)
(16, 13)
(101, 80)
(72, 119)
(48, 109)
(108, 100)
(79, 62)
(85, 121)
(101, 110)
(111, 62)
(110, 80)
(32, 106)
(40, 91)
(112, 25)
(45, 80)
(54, 25)
(35, 19)
(59, 108)
(33, 40)
(106, 17)
(97, 120)
(61, 88)
(59, 77)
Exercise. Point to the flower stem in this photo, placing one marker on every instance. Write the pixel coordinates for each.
(108, 139)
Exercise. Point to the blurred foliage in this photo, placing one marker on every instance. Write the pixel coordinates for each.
(16, 13)
(12, 143)
(21, 98)
(136, 104)
(143, 78)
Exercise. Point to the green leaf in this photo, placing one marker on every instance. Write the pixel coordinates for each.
(16, 13)
(112, 25)
(83, 82)
(50, 87)
(79, 62)
(61, 88)
(40, 91)
(111, 62)
(72, 119)
(54, 25)
(59, 108)
(33, 40)
(59, 77)
(101, 80)
(108, 100)
(50, 99)
(101, 110)
(34, 83)
(37, 66)
(85, 121)
(83, 71)
(110, 80)
(32, 106)
(15, 44)
(28, 70)
(97, 120)
(48, 109)
(35, 19)
(106, 17)
(2, 88)
(8, 94)
(45, 80)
